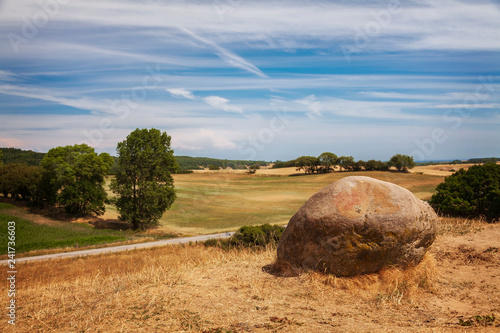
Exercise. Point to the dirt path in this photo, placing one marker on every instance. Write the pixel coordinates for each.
(122, 248)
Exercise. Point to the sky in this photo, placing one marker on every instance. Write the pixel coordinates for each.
(259, 80)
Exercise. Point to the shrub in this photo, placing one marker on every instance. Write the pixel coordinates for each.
(251, 236)
(471, 193)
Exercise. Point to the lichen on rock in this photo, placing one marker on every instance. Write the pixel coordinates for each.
(357, 225)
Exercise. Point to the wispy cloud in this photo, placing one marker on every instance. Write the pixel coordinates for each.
(222, 104)
(467, 106)
(229, 57)
(181, 92)
(313, 105)
(231, 79)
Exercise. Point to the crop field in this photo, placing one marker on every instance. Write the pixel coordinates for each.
(193, 288)
(220, 201)
(206, 203)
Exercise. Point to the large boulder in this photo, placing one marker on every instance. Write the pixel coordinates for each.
(357, 225)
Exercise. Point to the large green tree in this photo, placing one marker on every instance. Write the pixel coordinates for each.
(328, 161)
(471, 193)
(73, 176)
(143, 183)
(402, 162)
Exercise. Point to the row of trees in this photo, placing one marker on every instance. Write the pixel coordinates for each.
(327, 162)
(73, 177)
(16, 155)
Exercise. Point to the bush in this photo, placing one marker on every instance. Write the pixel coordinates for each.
(471, 193)
(251, 236)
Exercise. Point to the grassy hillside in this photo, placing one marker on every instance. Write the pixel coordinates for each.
(32, 236)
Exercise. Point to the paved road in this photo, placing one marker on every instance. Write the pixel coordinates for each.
(121, 248)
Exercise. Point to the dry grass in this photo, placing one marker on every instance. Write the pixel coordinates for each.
(460, 226)
(197, 289)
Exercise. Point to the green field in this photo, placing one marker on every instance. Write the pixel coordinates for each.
(32, 236)
(213, 202)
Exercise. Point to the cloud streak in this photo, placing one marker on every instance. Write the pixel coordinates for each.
(222, 104)
(229, 57)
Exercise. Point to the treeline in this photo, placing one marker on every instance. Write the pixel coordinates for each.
(28, 157)
(481, 160)
(193, 163)
(16, 155)
(328, 162)
(71, 177)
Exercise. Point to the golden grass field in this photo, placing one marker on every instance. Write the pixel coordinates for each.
(196, 289)
(210, 202)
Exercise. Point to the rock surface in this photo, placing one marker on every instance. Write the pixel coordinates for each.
(357, 225)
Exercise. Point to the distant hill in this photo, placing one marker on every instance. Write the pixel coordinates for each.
(29, 157)
(16, 155)
(193, 163)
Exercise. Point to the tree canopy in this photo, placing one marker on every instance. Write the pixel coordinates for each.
(73, 177)
(402, 162)
(471, 193)
(143, 182)
(328, 161)
(19, 156)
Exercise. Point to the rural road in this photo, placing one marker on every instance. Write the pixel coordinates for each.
(121, 248)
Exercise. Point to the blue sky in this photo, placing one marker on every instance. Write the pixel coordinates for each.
(242, 79)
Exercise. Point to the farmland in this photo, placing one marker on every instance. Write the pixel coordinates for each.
(209, 202)
(221, 201)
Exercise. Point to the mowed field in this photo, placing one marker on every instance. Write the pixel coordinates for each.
(211, 202)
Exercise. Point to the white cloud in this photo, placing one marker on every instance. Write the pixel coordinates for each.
(313, 105)
(222, 104)
(467, 106)
(202, 139)
(181, 92)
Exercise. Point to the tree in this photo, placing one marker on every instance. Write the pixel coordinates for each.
(402, 162)
(328, 161)
(471, 193)
(346, 162)
(73, 176)
(308, 163)
(359, 165)
(1, 158)
(253, 168)
(21, 181)
(143, 182)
